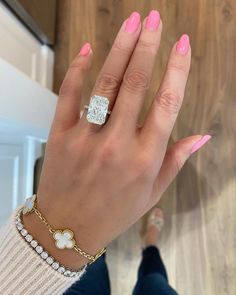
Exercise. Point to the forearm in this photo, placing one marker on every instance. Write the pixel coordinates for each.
(22, 269)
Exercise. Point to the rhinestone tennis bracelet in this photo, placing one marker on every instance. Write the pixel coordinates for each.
(44, 254)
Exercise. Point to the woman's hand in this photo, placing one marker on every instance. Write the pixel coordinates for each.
(99, 180)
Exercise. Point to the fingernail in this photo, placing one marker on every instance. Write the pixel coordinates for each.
(200, 143)
(85, 49)
(133, 22)
(153, 20)
(183, 45)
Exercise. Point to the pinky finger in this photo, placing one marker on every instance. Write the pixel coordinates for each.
(174, 160)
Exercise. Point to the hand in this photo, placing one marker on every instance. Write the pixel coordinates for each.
(99, 180)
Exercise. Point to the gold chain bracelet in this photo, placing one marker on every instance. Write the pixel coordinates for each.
(64, 239)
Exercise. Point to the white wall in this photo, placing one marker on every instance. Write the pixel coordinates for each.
(23, 102)
(21, 49)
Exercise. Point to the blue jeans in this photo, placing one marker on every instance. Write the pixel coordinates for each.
(152, 277)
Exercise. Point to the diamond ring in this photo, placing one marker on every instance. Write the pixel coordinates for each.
(97, 109)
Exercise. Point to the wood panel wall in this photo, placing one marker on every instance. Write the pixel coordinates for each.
(199, 242)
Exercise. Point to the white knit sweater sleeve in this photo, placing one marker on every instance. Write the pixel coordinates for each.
(22, 271)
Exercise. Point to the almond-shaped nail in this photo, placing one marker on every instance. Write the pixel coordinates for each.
(200, 143)
(183, 45)
(132, 22)
(85, 49)
(153, 20)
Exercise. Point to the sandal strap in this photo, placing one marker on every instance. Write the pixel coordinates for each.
(156, 221)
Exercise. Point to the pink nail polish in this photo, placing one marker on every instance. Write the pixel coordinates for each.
(85, 49)
(183, 45)
(133, 22)
(200, 143)
(153, 20)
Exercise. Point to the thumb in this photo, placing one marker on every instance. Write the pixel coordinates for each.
(175, 159)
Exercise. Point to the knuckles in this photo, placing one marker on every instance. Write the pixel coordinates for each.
(79, 66)
(107, 84)
(72, 147)
(169, 101)
(136, 81)
(122, 47)
(181, 68)
(109, 154)
(145, 45)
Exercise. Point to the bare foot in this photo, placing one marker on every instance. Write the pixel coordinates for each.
(152, 231)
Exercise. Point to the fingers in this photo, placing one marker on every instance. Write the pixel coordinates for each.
(173, 162)
(138, 74)
(68, 106)
(166, 105)
(111, 74)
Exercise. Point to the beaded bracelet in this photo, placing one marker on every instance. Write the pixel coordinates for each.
(44, 254)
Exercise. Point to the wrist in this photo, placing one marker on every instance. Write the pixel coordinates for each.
(89, 240)
(67, 257)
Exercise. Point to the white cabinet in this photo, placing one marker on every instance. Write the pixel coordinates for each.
(11, 173)
(26, 113)
(18, 154)
(27, 107)
(21, 49)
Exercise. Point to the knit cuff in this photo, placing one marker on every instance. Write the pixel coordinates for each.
(22, 271)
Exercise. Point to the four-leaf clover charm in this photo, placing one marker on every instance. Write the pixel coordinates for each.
(64, 239)
(29, 205)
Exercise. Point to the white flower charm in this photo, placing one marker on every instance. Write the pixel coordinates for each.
(64, 239)
(29, 204)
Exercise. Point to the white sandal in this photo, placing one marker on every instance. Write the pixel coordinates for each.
(155, 220)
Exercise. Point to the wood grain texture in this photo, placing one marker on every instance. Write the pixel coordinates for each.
(199, 241)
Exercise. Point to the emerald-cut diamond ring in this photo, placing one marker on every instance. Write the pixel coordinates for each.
(97, 109)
